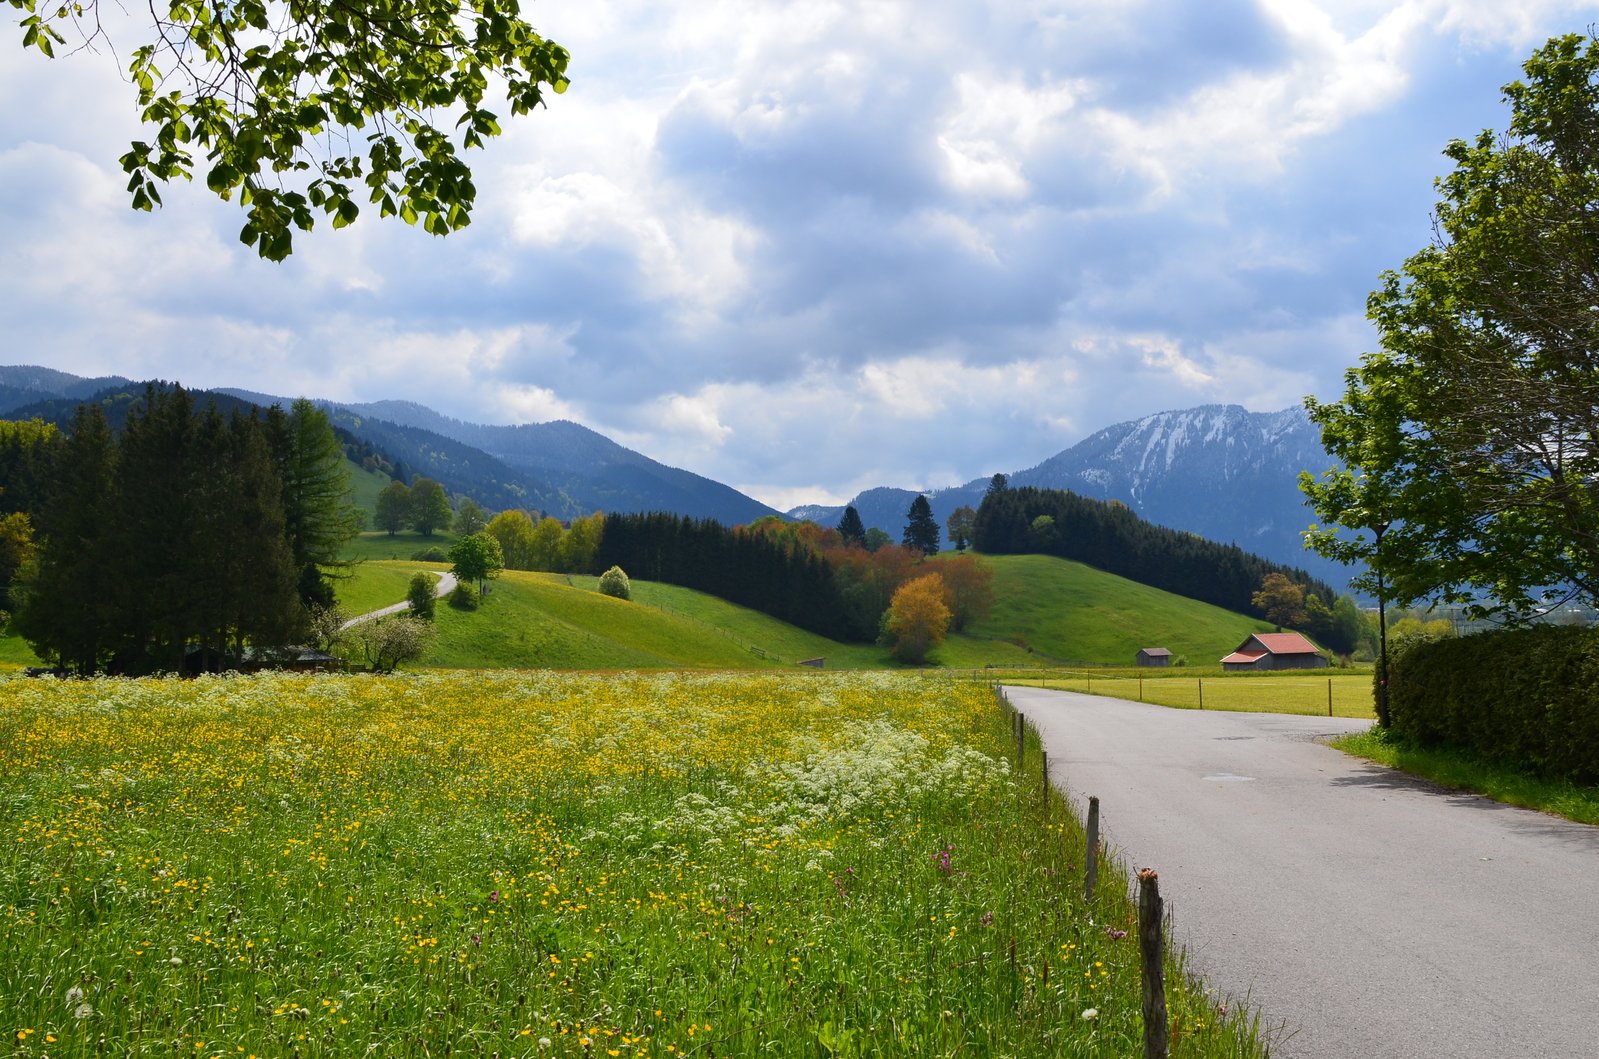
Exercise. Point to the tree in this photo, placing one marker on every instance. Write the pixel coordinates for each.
(393, 507)
(469, 517)
(917, 619)
(851, 530)
(545, 548)
(422, 595)
(1466, 442)
(581, 543)
(319, 516)
(16, 551)
(968, 589)
(256, 87)
(430, 508)
(388, 643)
(476, 557)
(1280, 601)
(876, 539)
(961, 523)
(614, 582)
(921, 529)
(514, 530)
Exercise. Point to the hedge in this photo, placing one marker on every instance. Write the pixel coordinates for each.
(1526, 697)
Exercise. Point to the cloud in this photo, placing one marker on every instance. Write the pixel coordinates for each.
(810, 245)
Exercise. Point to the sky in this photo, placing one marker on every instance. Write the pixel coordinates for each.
(806, 248)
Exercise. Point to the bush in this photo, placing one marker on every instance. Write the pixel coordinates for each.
(463, 597)
(1525, 697)
(614, 582)
(421, 595)
(434, 554)
(387, 643)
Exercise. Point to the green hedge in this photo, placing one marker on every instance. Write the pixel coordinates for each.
(1528, 697)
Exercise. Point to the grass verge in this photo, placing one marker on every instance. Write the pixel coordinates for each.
(1453, 768)
(1340, 693)
(529, 864)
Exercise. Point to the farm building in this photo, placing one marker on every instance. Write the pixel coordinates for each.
(1154, 656)
(1274, 650)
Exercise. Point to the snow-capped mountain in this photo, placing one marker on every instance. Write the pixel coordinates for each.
(1220, 471)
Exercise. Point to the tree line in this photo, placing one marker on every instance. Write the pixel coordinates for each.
(1109, 537)
(181, 542)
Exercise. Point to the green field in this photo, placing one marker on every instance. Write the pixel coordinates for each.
(375, 544)
(1069, 612)
(1328, 692)
(365, 486)
(528, 864)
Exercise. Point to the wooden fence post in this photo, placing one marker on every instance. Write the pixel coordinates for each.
(1091, 858)
(1329, 696)
(1201, 692)
(1021, 739)
(1152, 952)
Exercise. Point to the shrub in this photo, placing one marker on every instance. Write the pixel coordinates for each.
(463, 597)
(421, 595)
(435, 554)
(387, 643)
(614, 582)
(1525, 697)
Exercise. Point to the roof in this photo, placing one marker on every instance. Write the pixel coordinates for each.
(1153, 651)
(1243, 656)
(1283, 643)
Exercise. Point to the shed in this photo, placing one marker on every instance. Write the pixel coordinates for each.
(1274, 650)
(1153, 656)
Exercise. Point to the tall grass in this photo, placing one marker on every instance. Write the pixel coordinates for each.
(523, 864)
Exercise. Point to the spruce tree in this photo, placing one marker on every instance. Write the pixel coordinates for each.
(921, 529)
(851, 530)
(319, 517)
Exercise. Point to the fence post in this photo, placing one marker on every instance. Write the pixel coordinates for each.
(1140, 687)
(1021, 739)
(1091, 858)
(1201, 692)
(1043, 771)
(1152, 954)
(1329, 696)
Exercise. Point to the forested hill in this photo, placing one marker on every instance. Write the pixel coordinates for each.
(1108, 536)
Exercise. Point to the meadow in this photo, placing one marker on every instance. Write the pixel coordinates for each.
(525, 863)
(1327, 692)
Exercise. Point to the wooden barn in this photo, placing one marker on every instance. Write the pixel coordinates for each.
(1274, 650)
(1153, 656)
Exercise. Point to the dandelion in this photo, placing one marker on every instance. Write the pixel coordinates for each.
(1090, 1014)
(74, 996)
(83, 1010)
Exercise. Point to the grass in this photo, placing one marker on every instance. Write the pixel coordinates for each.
(365, 486)
(1467, 772)
(15, 654)
(1068, 611)
(1304, 692)
(529, 864)
(376, 544)
(377, 584)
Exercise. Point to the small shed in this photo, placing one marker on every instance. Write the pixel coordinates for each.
(1153, 656)
(1274, 650)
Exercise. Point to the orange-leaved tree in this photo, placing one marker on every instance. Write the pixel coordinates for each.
(917, 619)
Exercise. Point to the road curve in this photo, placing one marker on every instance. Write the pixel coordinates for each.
(444, 586)
(1362, 912)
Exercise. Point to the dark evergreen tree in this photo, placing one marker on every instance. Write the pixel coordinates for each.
(921, 528)
(851, 530)
(63, 614)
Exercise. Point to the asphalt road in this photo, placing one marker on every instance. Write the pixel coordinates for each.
(444, 586)
(1363, 913)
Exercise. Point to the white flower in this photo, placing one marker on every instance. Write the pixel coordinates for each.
(544, 1042)
(83, 1011)
(176, 961)
(1091, 1013)
(74, 995)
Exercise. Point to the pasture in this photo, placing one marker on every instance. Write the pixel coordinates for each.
(528, 864)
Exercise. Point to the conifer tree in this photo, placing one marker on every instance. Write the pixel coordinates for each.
(921, 529)
(319, 516)
(851, 530)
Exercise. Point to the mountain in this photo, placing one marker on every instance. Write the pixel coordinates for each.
(26, 384)
(593, 471)
(1220, 471)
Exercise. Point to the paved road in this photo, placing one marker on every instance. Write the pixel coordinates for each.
(1364, 913)
(445, 586)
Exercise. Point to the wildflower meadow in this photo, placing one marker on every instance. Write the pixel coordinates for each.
(526, 864)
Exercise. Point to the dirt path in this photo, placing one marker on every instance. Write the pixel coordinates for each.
(1364, 913)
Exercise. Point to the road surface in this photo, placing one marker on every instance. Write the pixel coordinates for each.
(445, 586)
(1362, 912)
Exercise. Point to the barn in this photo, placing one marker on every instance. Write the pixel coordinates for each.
(1274, 650)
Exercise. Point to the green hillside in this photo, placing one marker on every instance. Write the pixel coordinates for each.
(365, 486)
(1071, 612)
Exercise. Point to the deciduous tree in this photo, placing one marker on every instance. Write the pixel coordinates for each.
(304, 109)
(393, 508)
(1280, 601)
(1466, 443)
(917, 619)
(514, 530)
(430, 507)
(968, 589)
(962, 521)
(476, 557)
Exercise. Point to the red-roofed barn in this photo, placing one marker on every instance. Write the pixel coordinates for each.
(1274, 650)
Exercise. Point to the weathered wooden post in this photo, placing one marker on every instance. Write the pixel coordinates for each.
(1091, 858)
(1152, 953)
(1201, 692)
(1021, 739)
(1140, 687)
(1329, 696)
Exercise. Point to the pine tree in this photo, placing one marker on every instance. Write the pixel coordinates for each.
(319, 517)
(851, 530)
(921, 531)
